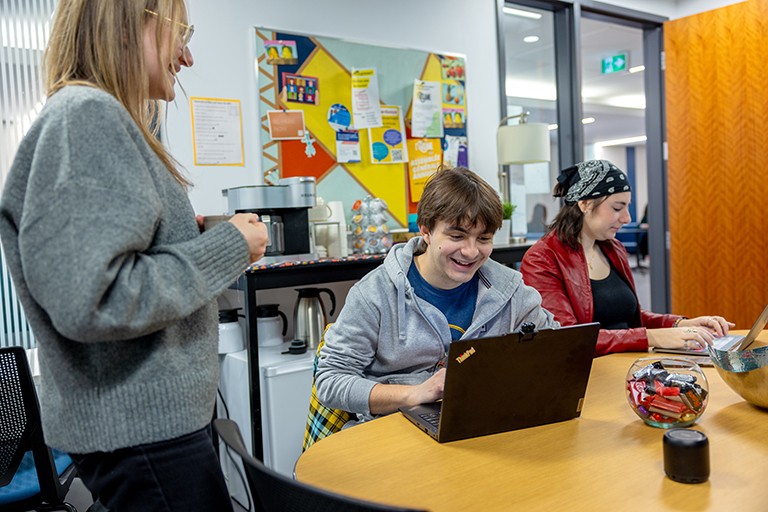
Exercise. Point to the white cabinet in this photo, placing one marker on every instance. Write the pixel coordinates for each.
(286, 385)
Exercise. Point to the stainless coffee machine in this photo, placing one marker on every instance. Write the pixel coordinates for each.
(284, 208)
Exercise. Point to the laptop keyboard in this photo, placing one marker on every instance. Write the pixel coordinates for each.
(727, 342)
(433, 418)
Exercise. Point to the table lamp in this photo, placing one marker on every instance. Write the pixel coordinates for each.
(522, 143)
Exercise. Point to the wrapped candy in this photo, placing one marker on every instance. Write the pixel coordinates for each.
(667, 392)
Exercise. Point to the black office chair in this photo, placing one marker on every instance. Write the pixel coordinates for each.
(273, 492)
(27, 481)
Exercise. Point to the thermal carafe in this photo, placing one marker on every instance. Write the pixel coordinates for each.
(309, 317)
(230, 334)
(271, 324)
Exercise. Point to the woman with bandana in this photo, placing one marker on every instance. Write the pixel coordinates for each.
(583, 273)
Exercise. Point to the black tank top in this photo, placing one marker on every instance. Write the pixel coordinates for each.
(615, 303)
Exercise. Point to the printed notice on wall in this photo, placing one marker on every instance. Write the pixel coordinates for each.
(217, 131)
(426, 155)
(388, 141)
(366, 111)
(427, 109)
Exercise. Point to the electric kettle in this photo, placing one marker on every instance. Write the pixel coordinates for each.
(271, 324)
(309, 318)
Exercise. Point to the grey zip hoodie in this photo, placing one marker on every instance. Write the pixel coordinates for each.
(387, 334)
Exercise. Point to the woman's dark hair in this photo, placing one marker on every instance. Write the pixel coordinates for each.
(459, 196)
(570, 219)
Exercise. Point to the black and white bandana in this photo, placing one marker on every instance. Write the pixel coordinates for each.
(592, 179)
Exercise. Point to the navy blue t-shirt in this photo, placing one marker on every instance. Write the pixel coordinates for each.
(458, 304)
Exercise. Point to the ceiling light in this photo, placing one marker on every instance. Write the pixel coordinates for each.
(521, 13)
(530, 89)
(620, 142)
(627, 101)
(637, 69)
(530, 39)
(586, 120)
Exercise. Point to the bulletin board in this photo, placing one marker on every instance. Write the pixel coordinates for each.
(309, 79)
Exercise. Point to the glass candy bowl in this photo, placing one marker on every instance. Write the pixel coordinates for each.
(667, 392)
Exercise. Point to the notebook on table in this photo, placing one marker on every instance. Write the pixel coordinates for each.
(510, 382)
(727, 343)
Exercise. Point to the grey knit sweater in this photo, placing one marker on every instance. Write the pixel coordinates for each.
(115, 278)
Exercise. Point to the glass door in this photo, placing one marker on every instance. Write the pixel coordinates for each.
(530, 86)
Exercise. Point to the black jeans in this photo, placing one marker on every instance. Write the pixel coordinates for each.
(181, 474)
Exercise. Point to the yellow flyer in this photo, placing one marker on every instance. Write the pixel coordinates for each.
(425, 158)
(388, 141)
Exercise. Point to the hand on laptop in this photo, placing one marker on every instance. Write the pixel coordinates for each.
(717, 325)
(387, 398)
(680, 338)
(431, 390)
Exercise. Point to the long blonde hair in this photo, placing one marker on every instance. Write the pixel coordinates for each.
(99, 43)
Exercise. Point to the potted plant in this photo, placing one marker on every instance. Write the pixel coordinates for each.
(502, 235)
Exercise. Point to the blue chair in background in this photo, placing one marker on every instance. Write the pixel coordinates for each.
(32, 476)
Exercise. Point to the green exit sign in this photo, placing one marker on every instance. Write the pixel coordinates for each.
(615, 63)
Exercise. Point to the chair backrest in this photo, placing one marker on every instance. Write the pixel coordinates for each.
(18, 411)
(273, 492)
(21, 431)
(322, 421)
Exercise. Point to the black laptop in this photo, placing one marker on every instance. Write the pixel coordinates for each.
(510, 382)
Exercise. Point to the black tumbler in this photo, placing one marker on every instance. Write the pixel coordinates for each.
(686, 455)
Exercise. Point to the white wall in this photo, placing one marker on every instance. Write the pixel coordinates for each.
(689, 7)
(672, 8)
(224, 50)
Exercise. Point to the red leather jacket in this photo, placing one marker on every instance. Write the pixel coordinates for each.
(560, 274)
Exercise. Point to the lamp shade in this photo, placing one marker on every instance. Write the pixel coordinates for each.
(524, 143)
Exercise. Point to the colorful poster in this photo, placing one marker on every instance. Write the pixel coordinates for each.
(339, 118)
(281, 53)
(426, 119)
(452, 68)
(366, 110)
(454, 106)
(455, 154)
(453, 93)
(347, 146)
(453, 117)
(217, 131)
(286, 124)
(300, 89)
(388, 141)
(425, 158)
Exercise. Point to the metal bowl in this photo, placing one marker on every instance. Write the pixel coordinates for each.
(746, 371)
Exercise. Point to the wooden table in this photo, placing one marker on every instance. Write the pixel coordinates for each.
(607, 459)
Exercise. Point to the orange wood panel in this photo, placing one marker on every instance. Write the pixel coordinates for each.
(717, 131)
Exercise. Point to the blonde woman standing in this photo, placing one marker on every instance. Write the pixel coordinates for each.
(116, 279)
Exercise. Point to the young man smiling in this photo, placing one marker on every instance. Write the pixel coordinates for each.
(389, 344)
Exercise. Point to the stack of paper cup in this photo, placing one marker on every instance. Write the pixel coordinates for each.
(337, 233)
